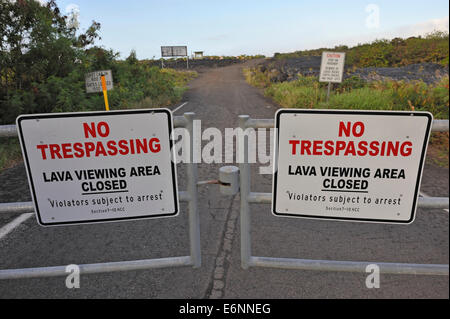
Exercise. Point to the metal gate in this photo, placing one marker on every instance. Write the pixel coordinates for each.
(190, 196)
(248, 197)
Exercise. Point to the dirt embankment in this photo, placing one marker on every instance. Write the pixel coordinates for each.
(289, 69)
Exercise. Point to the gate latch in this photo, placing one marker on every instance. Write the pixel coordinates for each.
(228, 180)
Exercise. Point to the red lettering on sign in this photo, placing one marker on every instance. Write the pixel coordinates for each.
(99, 148)
(91, 129)
(42, 148)
(155, 147)
(294, 146)
(356, 129)
(351, 148)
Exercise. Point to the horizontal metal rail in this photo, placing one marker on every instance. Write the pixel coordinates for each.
(438, 125)
(18, 207)
(8, 131)
(254, 198)
(28, 207)
(424, 202)
(433, 202)
(180, 121)
(349, 266)
(55, 271)
(11, 130)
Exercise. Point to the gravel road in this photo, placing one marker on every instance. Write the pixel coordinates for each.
(217, 97)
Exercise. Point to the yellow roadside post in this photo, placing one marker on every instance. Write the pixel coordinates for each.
(105, 94)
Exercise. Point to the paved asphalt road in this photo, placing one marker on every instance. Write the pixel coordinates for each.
(217, 97)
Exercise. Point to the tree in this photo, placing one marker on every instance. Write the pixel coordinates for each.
(132, 58)
(38, 48)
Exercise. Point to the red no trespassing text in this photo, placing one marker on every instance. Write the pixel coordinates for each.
(350, 148)
(99, 148)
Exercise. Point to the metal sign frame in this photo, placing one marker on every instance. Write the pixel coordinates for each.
(248, 197)
(190, 196)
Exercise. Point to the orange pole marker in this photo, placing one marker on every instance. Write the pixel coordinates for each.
(105, 94)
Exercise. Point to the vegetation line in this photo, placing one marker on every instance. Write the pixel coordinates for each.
(355, 93)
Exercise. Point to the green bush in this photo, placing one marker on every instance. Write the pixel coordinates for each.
(361, 99)
(354, 82)
(353, 93)
(418, 95)
(433, 47)
(43, 64)
(257, 78)
(10, 152)
(303, 93)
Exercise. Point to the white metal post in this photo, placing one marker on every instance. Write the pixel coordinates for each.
(244, 168)
(192, 174)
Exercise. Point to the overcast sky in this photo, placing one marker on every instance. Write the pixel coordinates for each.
(231, 27)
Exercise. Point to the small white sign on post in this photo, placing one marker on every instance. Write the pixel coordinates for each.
(332, 67)
(94, 81)
(349, 165)
(100, 166)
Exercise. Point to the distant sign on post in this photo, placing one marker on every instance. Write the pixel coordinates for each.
(91, 167)
(173, 51)
(332, 67)
(349, 165)
(94, 81)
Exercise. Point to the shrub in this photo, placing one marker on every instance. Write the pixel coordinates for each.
(433, 47)
(303, 93)
(361, 99)
(354, 93)
(43, 65)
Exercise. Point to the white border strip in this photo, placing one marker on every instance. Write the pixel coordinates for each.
(179, 107)
(5, 230)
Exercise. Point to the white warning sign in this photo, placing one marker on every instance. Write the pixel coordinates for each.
(93, 81)
(100, 166)
(332, 67)
(349, 165)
